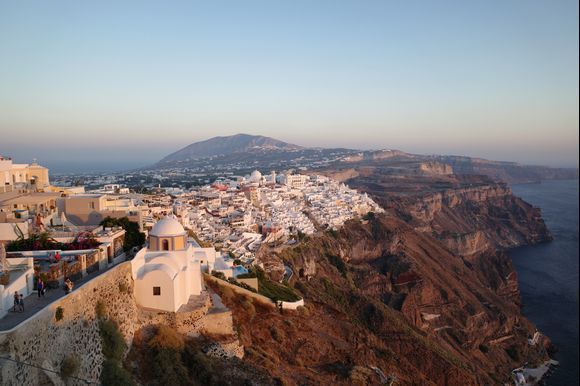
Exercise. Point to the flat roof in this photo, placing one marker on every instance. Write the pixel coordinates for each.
(32, 198)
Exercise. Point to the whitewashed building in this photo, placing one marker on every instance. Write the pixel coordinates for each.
(168, 271)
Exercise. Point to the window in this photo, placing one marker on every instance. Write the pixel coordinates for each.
(156, 291)
(165, 245)
(92, 205)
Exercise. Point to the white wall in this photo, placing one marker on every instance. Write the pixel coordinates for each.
(8, 230)
(23, 284)
(144, 291)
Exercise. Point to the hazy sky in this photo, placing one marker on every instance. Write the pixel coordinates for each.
(120, 83)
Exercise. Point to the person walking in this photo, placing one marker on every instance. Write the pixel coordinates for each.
(21, 303)
(40, 287)
(16, 300)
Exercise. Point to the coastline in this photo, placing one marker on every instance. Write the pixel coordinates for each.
(548, 280)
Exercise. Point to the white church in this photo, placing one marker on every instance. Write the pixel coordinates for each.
(168, 271)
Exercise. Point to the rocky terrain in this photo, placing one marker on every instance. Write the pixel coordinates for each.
(423, 293)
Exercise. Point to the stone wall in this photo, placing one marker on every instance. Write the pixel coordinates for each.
(43, 341)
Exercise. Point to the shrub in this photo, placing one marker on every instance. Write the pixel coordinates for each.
(167, 346)
(333, 233)
(249, 275)
(112, 340)
(123, 288)
(369, 216)
(69, 367)
(59, 314)
(166, 338)
(133, 236)
(114, 375)
(513, 353)
(277, 334)
(200, 366)
(100, 309)
(277, 291)
(338, 263)
(249, 307)
(219, 275)
(301, 287)
(168, 367)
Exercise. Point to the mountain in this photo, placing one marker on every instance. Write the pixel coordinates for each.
(222, 146)
(242, 153)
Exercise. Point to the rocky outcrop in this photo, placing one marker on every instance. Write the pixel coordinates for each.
(433, 167)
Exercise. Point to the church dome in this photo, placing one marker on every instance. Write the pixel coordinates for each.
(168, 226)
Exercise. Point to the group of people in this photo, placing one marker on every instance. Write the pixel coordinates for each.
(41, 288)
(18, 302)
(54, 257)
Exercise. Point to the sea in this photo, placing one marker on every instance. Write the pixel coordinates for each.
(548, 273)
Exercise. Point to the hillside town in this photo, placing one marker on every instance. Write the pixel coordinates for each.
(235, 215)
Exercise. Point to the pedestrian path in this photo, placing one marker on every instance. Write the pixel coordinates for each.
(34, 304)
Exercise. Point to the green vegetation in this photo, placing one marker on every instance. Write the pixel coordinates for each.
(219, 275)
(114, 375)
(369, 216)
(69, 367)
(512, 351)
(133, 236)
(273, 290)
(277, 334)
(59, 314)
(333, 233)
(43, 241)
(249, 275)
(241, 285)
(277, 291)
(113, 344)
(112, 341)
(302, 236)
(167, 346)
(338, 263)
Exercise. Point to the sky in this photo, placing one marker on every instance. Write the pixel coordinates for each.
(120, 84)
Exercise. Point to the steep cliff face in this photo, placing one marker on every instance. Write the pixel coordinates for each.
(471, 220)
(458, 326)
(430, 273)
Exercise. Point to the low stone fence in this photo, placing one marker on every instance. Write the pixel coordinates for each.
(292, 305)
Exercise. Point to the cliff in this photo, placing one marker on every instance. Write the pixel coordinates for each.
(428, 283)
(402, 302)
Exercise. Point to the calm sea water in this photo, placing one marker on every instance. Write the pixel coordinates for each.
(548, 273)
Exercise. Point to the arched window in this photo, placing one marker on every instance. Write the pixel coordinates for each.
(165, 245)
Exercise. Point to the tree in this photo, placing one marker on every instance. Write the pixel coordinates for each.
(133, 236)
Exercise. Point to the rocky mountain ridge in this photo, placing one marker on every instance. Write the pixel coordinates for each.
(219, 146)
(229, 153)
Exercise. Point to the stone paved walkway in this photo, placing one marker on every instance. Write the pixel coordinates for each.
(34, 304)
